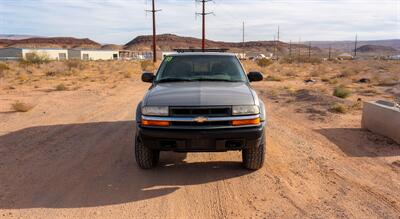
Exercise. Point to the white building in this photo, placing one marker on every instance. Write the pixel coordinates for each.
(92, 54)
(12, 53)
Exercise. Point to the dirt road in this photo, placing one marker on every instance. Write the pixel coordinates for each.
(72, 156)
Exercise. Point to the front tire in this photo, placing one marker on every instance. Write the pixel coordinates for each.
(253, 158)
(146, 158)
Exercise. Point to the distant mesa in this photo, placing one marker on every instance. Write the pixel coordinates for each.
(16, 36)
(50, 42)
(168, 42)
(376, 49)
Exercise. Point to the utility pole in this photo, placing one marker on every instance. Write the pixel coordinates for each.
(329, 52)
(290, 48)
(355, 47)
(309, 50)
(203, 14)
(243, 41)
(274, 45)
(153, 11)
(299, 48)
(277, 44)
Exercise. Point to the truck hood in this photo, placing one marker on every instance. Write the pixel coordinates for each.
(200, 93)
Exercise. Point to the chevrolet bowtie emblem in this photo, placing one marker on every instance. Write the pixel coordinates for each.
(200, 119)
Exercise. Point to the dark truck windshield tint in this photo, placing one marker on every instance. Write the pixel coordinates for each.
(200, 68)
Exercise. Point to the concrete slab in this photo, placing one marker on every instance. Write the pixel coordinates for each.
(382, 117)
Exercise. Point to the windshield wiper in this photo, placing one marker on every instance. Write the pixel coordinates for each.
(172, 80)
(215, 79)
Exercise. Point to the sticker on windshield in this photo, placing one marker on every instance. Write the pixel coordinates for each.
(168, 58)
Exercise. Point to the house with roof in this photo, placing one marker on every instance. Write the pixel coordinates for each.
(93, 54)
(12, 53)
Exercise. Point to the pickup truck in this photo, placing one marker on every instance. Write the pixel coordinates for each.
(200, 102)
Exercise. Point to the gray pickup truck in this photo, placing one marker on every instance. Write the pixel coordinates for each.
(200, 102)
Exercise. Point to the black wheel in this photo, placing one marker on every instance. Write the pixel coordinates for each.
(146, 158)
(253, 158)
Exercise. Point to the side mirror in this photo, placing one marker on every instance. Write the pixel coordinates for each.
(147, 77)
(255, 76)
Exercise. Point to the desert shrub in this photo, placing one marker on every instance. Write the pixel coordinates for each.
(61, 87)
(338, 108)
(71, 64)
(341, 92)
(51, 73)
(325, 79)
(20, 106)
(333, 80)
(23, 77)
(3, 67)
(286, 60)
(263, 62)
(273, 78)
(127, 74)
(35, 58)
(356, 105)
(300, 59)
(146, 65)
(388, 81)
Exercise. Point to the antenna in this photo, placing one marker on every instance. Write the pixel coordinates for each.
(203, 13)
(154, 30)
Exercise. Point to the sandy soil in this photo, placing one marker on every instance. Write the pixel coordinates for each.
(72, 156)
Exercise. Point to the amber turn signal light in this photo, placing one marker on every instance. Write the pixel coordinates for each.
(155, 123)
(246, 122)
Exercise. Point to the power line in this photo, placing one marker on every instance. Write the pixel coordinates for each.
(203, 14)
(153, 11)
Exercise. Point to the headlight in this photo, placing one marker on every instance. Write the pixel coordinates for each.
(155, 110)
(245, 110)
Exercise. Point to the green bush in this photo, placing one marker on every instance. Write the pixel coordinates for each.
(263, 62)
(341, 92)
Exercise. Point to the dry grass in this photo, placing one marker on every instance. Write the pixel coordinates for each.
(338, 108)
(147, 65)
(273, 78)
(20, 106)
(264, 62)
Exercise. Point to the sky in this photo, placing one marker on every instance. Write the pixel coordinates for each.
(119, 21)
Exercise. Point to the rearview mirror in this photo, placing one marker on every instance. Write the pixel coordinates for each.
(147, 77)
(255, 76)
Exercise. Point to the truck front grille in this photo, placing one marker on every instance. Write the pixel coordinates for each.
(203, 124)
(200, 111)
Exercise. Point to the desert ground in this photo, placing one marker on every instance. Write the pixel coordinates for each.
(66, 147)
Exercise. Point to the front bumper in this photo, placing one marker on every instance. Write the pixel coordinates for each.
(201, 140)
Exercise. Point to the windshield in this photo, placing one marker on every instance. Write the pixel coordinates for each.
(201, 68)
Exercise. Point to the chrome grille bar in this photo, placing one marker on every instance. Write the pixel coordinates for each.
(206, 119)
